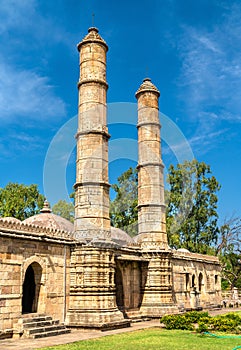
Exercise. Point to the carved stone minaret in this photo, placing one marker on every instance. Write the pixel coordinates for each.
(156, 291)
(151, 204)
(92, 299)
(92, 187)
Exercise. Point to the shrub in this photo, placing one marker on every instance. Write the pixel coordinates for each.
(195, 316)
(224, 323)
(202, 327)
(177, 322)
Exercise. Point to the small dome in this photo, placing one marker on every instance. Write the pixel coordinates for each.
(183, 250)
(147, 86)
(93, 36)
(10, 219)
(49, 220)
(121, 237)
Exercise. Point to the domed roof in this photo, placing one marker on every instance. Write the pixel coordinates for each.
(93, 36)
(47, 219)
(119, 236)
(183, 250)
(10, 219)
(147, 86)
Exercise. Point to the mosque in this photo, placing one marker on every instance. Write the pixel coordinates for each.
(91, 275)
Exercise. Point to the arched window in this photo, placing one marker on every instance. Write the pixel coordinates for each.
(187, 281)
(193, 281)
(200, 282)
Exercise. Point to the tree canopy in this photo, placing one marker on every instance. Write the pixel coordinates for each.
(20, 201)
(192, 207)
(123, 209)
(64, 209)
(229, 251)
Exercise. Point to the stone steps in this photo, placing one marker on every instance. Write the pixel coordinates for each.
(41, 326)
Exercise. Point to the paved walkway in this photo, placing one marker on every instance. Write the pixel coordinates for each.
(76, 335)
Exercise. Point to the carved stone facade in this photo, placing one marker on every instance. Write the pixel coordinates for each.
(90, 274)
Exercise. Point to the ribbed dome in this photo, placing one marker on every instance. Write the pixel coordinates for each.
(10, 219)
(147, 86)
(47, 219)
(93, 36)
(120, 237)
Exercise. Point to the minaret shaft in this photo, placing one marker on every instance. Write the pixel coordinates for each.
(151, 203)
(92, 187)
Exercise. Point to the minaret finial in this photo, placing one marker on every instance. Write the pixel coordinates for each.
(93, 19)
(46, 207)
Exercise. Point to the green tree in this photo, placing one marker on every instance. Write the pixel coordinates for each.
(229, 251)
(64, 209)
(192, 207)
(123, 209)
(20, 201)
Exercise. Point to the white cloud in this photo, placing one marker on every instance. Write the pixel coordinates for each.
(211, 69)
(25, 93)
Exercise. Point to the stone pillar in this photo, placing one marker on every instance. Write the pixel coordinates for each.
(157, 284)
(151, 203)
(92, 187)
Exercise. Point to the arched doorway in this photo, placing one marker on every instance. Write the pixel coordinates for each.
(31, 288)
(119, 289)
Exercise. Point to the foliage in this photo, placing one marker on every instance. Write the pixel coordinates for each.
(185, 321)
(177, 322)
(223, 323)
(123, 209)
(229, 250)
(64, 209)
(20, 201)
(152, 339)
(192, 207)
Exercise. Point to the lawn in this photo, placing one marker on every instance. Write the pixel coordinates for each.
(155, 338)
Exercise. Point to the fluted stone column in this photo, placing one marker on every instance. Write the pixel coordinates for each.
(92, 186)
(157, 284)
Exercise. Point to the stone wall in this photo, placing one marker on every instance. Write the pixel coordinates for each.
(196, 280)
(50, 263)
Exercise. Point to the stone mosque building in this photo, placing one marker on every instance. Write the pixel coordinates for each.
(55, 274)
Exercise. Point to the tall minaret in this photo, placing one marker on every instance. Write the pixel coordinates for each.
(151, 204)
(92, 187)
(92, 293)
(157, 296)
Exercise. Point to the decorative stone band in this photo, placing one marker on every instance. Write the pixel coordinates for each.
(141, 165)
(23, 230)
(154, 205)
(91, 81)
(89, 183)
(100, 132)
(95, 237)
(148, 124)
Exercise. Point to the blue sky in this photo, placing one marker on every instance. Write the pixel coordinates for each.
(190, 49)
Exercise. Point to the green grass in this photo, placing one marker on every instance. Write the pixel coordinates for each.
(154, 338)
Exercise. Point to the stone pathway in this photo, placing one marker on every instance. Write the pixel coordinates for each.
(77, 335)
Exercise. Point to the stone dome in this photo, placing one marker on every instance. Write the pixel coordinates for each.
(10, 219)
(47, 219)
(183, 250)
(121, 237)
(93, 36)
(147, 86)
